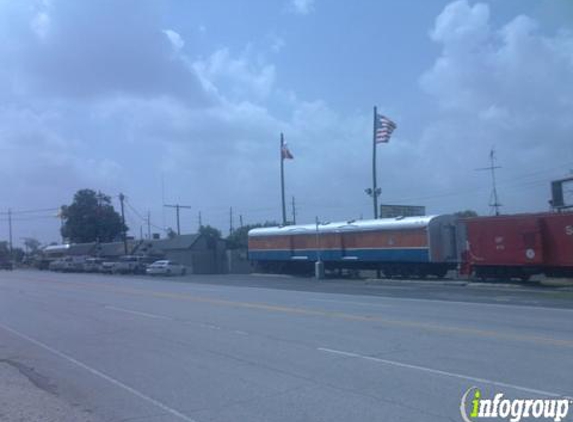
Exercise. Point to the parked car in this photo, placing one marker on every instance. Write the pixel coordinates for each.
(76, 264)
(6, 265)
(107, 267)
(93, 265)
(56, 265)
(62, 264)
(131, 264)
(165, 267)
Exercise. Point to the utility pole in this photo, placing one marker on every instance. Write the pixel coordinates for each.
(177, 208)
(121, 199)
(200, 220)
(231, 221)
(148, 225)
(283, 181)
(10, 233)
(240, 220)
(494, 200)
(293, 211)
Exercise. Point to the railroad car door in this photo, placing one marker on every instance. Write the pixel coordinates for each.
(532, 246)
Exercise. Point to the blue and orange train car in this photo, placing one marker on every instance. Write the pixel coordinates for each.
(409, 246)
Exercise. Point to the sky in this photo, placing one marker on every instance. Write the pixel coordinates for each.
(184, 102)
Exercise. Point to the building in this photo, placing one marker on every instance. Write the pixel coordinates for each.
(200, 254)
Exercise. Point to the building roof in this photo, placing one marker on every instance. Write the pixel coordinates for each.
(76, 249)
(79, 249)
(115, 248)
(184, 241)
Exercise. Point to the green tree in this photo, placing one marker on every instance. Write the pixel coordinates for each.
(32, 245)
(4, 250)
(466, 214)
(18, 254)
(211, 234)
(90, 218)
(239, 238)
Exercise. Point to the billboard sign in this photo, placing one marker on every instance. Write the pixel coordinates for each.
(562, 193)
(393, 211)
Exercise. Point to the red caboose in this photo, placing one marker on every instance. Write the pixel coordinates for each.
(558, 244)
(520, 245)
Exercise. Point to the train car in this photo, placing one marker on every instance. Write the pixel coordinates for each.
(404, 246)
(557, 229)
(519, 246)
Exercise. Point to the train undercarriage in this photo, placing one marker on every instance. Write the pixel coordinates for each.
(389, 269)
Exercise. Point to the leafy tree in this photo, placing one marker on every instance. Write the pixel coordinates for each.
(32, 245)
(211, 234)
(171, 233)
(466, 214)
(90, 218)
(18, 254)
(239, 238)
(4, 250)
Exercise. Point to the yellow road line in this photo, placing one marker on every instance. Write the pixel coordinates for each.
(474, 332)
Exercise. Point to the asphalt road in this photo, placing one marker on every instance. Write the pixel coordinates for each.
(247, 348)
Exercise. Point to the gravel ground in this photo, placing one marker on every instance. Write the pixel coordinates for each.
(26, 396)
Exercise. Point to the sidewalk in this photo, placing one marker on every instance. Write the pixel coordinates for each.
(25, 397)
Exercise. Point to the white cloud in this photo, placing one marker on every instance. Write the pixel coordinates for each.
(41, 24)
(239, 77)
(302, 7)
(175, 39)
(277, 43)
(511, 87)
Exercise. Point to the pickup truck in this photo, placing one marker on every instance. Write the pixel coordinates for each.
(131, 264)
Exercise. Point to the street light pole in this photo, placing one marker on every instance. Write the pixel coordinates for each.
(123, 231)
(318, 265)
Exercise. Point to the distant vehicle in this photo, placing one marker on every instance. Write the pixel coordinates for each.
(165, 267)
(61, 264)
(6, 265)
(93, 265)
(131, 264)
(106, 267)
(68, 264)
(55, 265)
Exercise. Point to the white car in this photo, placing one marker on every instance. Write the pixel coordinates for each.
(165, 267)
(93, 265)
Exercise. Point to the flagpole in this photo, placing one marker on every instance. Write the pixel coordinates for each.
(283, 181)
(374, 188)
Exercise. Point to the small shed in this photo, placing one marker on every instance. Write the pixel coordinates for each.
(113, 250)
(192, 250)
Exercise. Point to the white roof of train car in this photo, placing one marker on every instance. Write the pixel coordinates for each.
(399, 223)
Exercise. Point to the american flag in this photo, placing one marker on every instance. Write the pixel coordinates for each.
(285, 152)
(384, 129)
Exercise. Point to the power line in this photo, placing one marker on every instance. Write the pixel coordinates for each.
(30, 211)
(146, 220)
(177, 208)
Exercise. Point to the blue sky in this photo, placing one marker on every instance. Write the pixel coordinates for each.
(120, 95)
